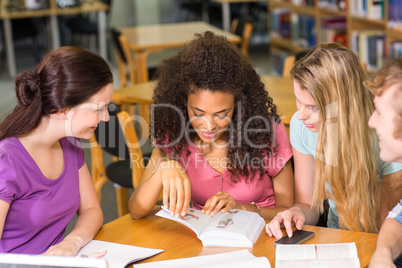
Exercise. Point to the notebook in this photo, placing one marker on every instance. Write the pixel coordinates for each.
(9, 260)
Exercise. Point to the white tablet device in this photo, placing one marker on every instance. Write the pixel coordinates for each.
(9, 260)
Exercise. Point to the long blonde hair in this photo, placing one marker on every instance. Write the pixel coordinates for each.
(346, 150)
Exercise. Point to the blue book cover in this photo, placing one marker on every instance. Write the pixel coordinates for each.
(372, 49)
(399, 3)
(312, 40)
(392, 11)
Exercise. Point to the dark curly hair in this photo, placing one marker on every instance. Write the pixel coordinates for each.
(210, 62)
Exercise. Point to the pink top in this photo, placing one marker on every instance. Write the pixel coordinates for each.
(206, 181)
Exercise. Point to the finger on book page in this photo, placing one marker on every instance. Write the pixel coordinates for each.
(166, 191)
(187, 198)
(97, 255)
(172, 198)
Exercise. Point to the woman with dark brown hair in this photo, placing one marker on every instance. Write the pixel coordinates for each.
(44, 180)
(219, 142)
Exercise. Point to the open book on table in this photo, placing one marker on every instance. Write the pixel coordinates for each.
(119, 255)
(235, 228)
(323, 255)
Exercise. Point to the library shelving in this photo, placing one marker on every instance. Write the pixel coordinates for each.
(362, 25)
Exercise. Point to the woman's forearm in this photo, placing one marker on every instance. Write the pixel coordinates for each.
(144, 197)
(390, 238)
(310, 214)
(87, 226)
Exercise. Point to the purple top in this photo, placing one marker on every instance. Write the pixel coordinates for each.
(40, 208)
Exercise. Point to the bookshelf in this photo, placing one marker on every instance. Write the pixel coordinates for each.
(364, 22)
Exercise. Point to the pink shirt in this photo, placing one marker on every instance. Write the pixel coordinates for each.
(206, 181)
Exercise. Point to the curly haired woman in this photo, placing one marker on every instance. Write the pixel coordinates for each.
(218, 139)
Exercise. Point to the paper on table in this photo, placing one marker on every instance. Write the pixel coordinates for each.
(318, 255)
(242, 258)
(119, 255)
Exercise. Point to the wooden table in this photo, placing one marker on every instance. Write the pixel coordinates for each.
(53, 11)
(279, 88)
(150, 38)
(179, 241)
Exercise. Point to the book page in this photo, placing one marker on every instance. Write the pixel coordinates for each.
(235, 221)
(322, 255)
(334, 251)
(295, 252)
(194, 219)
(241, 258)
(119, 255)
(333, 263)
(235, 228)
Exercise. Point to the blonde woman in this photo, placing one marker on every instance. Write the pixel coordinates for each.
(335, 152)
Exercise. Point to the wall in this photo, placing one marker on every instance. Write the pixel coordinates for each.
(141, 12)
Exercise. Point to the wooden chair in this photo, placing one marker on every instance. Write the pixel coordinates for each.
(125, 61)
(127, 70)
(133, 145)
(287, 65)
(120, 58)
(114, 138)
(244, 29)
(290, 61)
(136, 158)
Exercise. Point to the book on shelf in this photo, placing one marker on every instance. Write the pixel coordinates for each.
(371, 9)
(280, 18)
(303, 2)
(395, 50)
(394, 14)
(303, 31)
(334, 30)
(307, 32)
(317, 255)
(369, 46)
(333, 4)
(119, 255)
(235, 228)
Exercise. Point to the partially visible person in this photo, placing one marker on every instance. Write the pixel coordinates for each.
(44, 180)
(218, 139)
(335, 152)
(387, 121)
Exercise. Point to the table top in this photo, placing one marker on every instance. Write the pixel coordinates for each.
(279, 88)
(87, 6)
(178, 241)
(170, 35)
